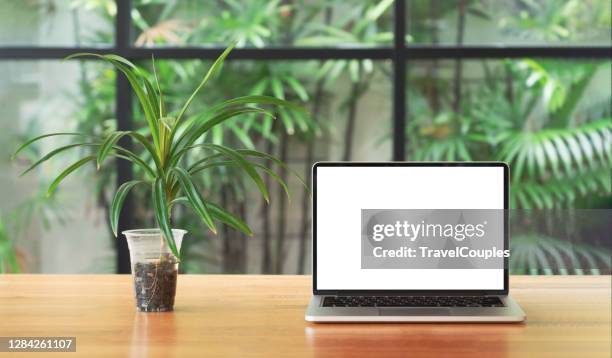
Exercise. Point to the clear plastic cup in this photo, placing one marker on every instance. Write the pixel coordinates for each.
(154, 268)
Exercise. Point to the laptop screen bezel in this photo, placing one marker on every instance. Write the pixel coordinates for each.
(316, 291)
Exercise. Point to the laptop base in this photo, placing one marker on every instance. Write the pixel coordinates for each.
(511, 312)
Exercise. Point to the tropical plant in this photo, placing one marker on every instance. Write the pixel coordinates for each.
(537, 254)
(169, 137)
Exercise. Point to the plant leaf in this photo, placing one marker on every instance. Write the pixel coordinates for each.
(266, 100)
(192, 134)
(255, 153)
(228, 218)
(160, 206)
(140, 138)
(220, 214)
(117, 202)
(128, 155)
(276, 177)
(211, 72)
(53, 153)
(194, 197)
(35, 139)
(107, 145)
(67, 172)
(244, 164)
(129, 70)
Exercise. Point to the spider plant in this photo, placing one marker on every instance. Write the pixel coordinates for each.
(166, 139)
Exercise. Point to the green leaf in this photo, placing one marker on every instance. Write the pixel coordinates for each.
(211, 72)
(194, 197)
(35, 139)
(192, 134)
(228, 218)
(162, 106)
(67, 172)
(244, 164)
(266, 100)
(276, 177)
(564, 154)
(277, 88)
(129, 70)
(195, 169)
(297, 88)
(168, 122)
(152, 97)
(160, 206)
(519, 163)
(142, 140)
(597, 143)
(117, 59)
(255, 153)
(128, 155)
(574, 148)
(220, 214)
(53, 153)
(107, 145)
(117, 202)
(552, 156)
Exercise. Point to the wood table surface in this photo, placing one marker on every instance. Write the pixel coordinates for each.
(242, 316)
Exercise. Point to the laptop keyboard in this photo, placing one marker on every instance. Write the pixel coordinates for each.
(412, 301)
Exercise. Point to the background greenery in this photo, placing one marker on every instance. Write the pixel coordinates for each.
(549, 118)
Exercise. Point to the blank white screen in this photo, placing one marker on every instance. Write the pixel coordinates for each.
(343, 191)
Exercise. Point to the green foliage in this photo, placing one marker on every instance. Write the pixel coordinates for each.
(8, 256)
(558, 151)
(536, 123)
(537, 254)
(556, 155)
(169, 136)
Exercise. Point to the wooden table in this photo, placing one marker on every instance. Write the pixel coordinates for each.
(241, 316)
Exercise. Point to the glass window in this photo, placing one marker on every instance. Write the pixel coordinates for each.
(513, 22)
(262, 23)
(336, 93)
(57, 23)
(66, 233)
(550, 121)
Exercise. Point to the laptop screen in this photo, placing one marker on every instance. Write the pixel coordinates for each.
(367, 218)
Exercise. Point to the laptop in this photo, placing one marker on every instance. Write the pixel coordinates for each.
(411, 242)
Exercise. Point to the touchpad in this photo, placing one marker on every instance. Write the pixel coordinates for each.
(414, 311)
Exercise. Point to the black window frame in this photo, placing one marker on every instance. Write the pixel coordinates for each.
(399, 54)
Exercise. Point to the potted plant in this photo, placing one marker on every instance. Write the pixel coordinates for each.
(155, 253)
